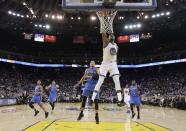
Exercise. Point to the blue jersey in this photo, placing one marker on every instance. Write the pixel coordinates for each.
(37, 98)
(90, 72)
(37, 91)
(53, 90)
(134, 91)
(90, 84)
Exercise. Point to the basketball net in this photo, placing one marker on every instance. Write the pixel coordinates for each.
(106, 21)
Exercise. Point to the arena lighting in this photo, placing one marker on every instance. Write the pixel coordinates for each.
(79, 18)
(126, 27)
(158, 15)
(153, 16)
(130, 26)
(167, 13)
(77, 65)
(162, 14)
(59, 17)
(138, 17)
(146, 17)
(10, 12)
(121, 18)
(138, 25)
(47, 26)
(133, 26)
(93, 18)
(46, 15)
(24, 3)
(53, 16)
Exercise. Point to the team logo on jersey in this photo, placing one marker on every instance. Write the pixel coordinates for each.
(113, 51)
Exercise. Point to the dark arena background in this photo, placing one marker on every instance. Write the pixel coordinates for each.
(41, 40)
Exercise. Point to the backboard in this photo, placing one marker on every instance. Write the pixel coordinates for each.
(123, 5)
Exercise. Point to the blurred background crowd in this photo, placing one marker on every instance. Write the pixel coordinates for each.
(160, 86)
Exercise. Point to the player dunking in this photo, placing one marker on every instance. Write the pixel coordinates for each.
(109, 64)
(37, 98)
(135, 98)
(91, 75)
(53, 94)
(127, 97)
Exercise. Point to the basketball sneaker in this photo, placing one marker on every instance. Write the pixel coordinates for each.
(46, 114)
(80, 116)
(36, 112)
(119, 103)
(97, 118)
(133, 114)
(138, 117)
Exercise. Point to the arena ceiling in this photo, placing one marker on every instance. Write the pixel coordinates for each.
(48, 12)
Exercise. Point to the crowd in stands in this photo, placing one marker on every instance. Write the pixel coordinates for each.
(160, 86)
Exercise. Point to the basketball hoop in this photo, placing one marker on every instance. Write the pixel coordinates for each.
(106, 19)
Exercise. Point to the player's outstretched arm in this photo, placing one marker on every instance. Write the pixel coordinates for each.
(105, 40)
(81, 80)
(47, 87)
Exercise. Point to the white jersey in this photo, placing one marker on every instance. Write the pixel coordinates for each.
(110, 53)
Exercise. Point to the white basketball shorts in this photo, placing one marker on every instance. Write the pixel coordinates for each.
(112, 68)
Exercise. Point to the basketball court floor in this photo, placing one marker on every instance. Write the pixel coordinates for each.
(112, 118)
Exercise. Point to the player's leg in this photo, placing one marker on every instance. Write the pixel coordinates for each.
(82, 107)
(114, 72)
(132, 110)
(43, 108)
(117, 86)
(126, 100)
(31, 105)
(96, 110)
(138, 103)
(39, 102)
(52, 100)
(132, 103)
(138, 110)
(103, 72)
(97, 87)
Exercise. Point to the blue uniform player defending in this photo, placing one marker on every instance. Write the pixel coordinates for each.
(135, 98)
(91, 75)
(37, 99)
(53, 88)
